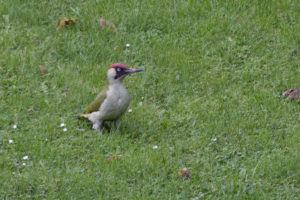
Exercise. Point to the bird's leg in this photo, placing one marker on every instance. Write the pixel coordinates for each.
(95, 119)
(98, 126)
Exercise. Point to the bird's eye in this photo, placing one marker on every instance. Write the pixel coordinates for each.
(118, 69)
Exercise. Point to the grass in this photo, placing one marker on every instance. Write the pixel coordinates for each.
(209, 98)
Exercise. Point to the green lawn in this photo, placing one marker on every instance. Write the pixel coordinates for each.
(209, 98)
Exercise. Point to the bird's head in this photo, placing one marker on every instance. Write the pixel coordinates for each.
(117, 71)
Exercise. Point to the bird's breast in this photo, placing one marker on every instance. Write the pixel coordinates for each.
(116, 103)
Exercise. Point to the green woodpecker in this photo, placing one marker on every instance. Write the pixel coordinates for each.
(113, 100)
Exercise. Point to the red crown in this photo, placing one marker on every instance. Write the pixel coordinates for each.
(117, 65)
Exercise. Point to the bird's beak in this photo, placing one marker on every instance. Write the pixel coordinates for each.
(132, 70)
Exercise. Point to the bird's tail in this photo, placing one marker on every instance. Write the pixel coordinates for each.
(83, 116)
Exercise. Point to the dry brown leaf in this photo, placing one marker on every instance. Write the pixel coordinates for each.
(31, 110)
(66, 92)
(65, 21)
(116, 157)
(43, 69)
(292, 94)
(184, 173)
(106, 24)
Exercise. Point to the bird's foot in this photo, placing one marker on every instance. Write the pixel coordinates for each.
(97, 126)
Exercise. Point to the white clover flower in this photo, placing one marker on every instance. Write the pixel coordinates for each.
(62, 125)
(25, 157)
(65, 129)
(155, 147)
(10, 141)
(24, 164)
(127, 45)
(130, 110)
(15, 126)
(214, 139)
(140, 103)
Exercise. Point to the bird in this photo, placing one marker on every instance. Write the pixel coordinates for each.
(113, 100)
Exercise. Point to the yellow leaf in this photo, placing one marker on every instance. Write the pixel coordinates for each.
(74, 19)
(184, 173)
(65, 21)
(61, 22)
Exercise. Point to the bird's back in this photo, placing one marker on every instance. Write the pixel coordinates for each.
(95, 105)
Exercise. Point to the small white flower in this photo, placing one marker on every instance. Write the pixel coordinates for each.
(15, 126)
(127, 45)
(62, 125)
(130, 110)
(65, 129)
(25, 157)
(141, 103)
(229, 38)
(143, 98)
(214, 139)
(155, 147)
(10, 141)
(24, 164)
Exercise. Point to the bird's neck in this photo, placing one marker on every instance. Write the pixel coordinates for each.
(115, 82)
(117, 87)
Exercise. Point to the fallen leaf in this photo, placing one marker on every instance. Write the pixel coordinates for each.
(116, 48)
(65, 21)
(43, 69)
(31, 110)
(292, 94)
(106, 24)
(294, 53)
(66, 92)
(116, 157)
(184, 173)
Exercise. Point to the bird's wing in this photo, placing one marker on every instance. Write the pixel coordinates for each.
(95, 105)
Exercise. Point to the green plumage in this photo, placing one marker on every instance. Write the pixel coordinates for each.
(95, 105)
(115, 96)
